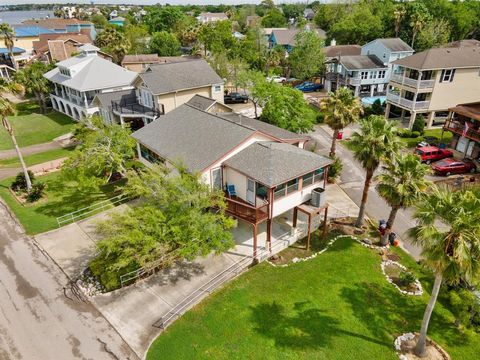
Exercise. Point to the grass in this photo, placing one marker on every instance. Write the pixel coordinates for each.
(412, 142)
(31, 127)
(335, 306)
(60, 198)
(37, 158)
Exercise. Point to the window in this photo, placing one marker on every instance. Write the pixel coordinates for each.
(373, 75)
(217, 178)
(261, 191)
(279, 192)
(364, 75)
(307, 179)
(381, 74)
(292, 186)
(318, 175)
(447, 75)
(65, 72)
(217, 88)
(150, 156)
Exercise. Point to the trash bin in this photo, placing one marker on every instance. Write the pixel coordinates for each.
(442, 146)
(392, 237)
(340, 135)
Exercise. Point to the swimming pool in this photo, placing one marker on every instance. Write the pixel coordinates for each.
(367, 101)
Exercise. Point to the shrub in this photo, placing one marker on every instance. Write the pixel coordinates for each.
(404, 133)
(335, 169)
(406, 278)
(377, 108)
(37, 192)
(415, 134)
(465, 306)
(419, 124)
(20, 183)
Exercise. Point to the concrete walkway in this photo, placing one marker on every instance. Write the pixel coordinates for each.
(45, 167)
(62, 141)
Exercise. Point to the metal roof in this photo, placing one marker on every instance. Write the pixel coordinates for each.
(30, 31)
(15, 50)
(442, 58)
(273, 163)
(169, 77)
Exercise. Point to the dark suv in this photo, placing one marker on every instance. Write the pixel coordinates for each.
(235, 98)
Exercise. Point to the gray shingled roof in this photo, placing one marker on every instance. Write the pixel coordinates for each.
(287, 36)
(169, 77)
(140, 58)
(463, 43)
(395, 44)
(342, 50)
(264, 127)
(272, 163)
(362, 62)
(442, 58)
(201, 102)
(192, 136)
(105, 99)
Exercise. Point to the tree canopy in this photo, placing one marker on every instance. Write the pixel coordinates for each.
(32, 79)
(307, 57)
(165, 44)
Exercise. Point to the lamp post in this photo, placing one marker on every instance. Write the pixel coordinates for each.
(9, 129)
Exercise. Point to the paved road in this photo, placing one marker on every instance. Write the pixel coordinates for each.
(352, 180)
(39, 317)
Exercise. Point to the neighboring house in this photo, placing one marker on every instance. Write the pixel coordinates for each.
(267, 167)
(65, 26)
(25, 36)
(119, 21)
(253, 20)
(432, 81)
(335, 51)
(79, 79)
(464, 43)
(366, 74)
(464, 122)
(287, 37)
(59, 47)
(208, 17)
(308, 14)
(8, 63)
(139, 63)
(166, 86)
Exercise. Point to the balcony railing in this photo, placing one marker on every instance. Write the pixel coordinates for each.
(133, 108)
(396, 99)
(458, 127)
(243, 210)
(415, 83)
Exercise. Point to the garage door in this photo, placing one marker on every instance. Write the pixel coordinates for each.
(462, 144)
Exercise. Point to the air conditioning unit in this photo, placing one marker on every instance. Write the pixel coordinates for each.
(318, 197)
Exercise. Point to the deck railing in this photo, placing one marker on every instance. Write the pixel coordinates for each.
(246, 211)
(415, 83)
(458, 127)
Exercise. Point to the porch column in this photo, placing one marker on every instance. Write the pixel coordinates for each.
(431, 117)
(357, 91)
(372, 90)
(85, 99)
(295, 216)
(121, 120)
(325, 222)
(387, 110)
(309, 230)
(402, 114)
(254, 242)
(413, 115)
(269, 234)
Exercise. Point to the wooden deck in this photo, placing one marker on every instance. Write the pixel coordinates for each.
(245, 211)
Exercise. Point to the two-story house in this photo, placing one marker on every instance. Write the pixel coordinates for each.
(287, 38)
(434, 80)
(79, 79)
(368, 73)
(464, 123)
(263, 170)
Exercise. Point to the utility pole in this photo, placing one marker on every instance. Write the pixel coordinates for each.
(9, 128)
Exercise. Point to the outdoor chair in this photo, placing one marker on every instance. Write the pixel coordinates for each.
(231, 190)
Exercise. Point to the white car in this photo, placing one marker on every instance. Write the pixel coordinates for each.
(276, 79)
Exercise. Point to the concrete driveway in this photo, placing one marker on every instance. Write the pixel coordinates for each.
(40, 316)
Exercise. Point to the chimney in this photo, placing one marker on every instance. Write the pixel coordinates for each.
(333, 42)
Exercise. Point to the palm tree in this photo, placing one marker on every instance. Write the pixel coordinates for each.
(340, 109)
(7, 33)
(376, 141)
(416, 24)
(35, 83)
(452, 251)
(398, 14)
(402, 185)
(114, 42)
(6, 109)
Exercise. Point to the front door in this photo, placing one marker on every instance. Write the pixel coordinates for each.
(251, 191)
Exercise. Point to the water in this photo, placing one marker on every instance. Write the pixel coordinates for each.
(366, 101)
(16, 17)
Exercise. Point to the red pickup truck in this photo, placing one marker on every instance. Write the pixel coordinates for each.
(429, 154)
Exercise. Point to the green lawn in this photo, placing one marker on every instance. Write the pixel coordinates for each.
(31, 127)
(412, 142)
(335, 306)
(37, 158)
(61, 198)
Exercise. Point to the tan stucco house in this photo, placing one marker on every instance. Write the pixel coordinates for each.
(432, 81)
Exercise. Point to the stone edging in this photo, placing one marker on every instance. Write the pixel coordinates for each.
(410, 336)
(297, 260)
(370, 246)
(389, 279)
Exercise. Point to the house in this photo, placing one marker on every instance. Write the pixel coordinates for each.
(434, 80)
(58, 46)
(463, 43)
(25, 36)
(464, 122)
(366, 74)
(264, 171)
(78, 79)
(287, 37)
(335, 51)
(139, 63)
(65, 26)
(118, 21)
(208, 17)
(253, 20)
(8, 61)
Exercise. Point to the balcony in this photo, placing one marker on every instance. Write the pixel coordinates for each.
(245, 211)
(458, 127)
(396, 99)
(414, 83)
(131, 108)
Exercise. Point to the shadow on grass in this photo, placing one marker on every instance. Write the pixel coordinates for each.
(387, 313)
(31, 107)
(300, 327)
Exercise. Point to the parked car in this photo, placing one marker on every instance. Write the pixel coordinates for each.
(431, 140)
(453, 166)
(235, 98)
(277, 79)
(308, 86)
(429, 154)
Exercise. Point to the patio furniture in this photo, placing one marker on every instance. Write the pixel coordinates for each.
(231, 190)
